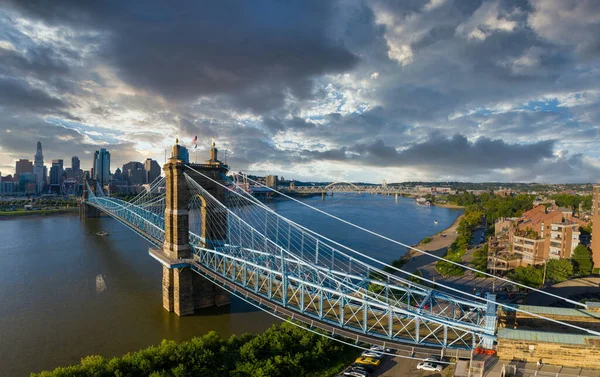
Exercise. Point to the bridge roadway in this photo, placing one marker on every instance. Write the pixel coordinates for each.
(258, 299)
(318, 297)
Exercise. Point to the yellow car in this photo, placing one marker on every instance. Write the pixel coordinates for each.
(368, 361)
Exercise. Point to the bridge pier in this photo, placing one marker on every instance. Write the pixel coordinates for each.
(184, 291)
(87, 211)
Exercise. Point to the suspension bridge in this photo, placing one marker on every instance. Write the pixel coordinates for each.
(215, 240)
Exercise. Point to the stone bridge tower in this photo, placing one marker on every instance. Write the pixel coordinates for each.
(87, 211)
(184, 291)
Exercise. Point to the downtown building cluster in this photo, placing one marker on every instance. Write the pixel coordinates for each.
(35, 178)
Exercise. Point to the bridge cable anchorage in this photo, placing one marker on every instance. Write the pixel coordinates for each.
(472, 328)
(411, 247)
(410, 274)
(319, 333)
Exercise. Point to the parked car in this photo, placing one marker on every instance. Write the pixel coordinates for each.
(430, 367)
(368, 361)
(372, 354)
(356, 373)
(380, 349)
(366, 368)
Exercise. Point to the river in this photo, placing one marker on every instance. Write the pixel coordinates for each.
(66, 292)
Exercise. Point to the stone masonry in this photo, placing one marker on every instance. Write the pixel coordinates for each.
(184, 291)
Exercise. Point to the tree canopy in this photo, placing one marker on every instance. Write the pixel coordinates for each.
(529, 276)
(283, 350)
(558, 270)
(582, 260)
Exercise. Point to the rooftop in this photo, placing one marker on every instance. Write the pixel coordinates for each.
(548, 310)
(549, 337)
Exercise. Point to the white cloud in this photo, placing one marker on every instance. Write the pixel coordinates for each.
(487, 20)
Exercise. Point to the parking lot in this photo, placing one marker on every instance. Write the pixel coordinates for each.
(404, 367)
(398, 367)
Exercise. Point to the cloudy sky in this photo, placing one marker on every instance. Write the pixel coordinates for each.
(321, 90)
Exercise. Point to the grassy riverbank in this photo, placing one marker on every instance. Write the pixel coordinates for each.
(32, 213)
(282, 350)
(440, 240)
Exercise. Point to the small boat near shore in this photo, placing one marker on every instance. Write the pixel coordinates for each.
(102, 233)
(435, 222)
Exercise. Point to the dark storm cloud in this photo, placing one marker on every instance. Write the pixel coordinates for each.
(255, 52)
(275, 124)
(440, 153)
(41, 62)
(16, 93)
(282, 84)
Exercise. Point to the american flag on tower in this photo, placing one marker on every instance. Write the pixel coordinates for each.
(195, 141)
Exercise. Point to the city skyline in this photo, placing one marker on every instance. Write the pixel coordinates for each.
(433, 90)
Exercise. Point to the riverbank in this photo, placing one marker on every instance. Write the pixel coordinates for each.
(449, 205)
(32, 213)
(439, 244)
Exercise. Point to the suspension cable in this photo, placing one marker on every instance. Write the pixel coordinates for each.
(408, 273)
(414, 248)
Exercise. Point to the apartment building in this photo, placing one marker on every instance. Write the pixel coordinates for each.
(539, 235)
(564, 238)
(531, 250)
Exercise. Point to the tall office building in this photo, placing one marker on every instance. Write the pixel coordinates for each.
(134, 173)
(75, 172)
(21, 167)
(596, 226)
(39, 170)
(56, 173)
(137, 176)
(152, 170)
(75, 164)
(102, 166)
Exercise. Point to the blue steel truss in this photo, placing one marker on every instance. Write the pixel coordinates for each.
(397, 311)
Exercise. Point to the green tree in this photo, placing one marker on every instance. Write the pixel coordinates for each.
(582, 260)
(558, 270)
(529, 276)
(480, 260)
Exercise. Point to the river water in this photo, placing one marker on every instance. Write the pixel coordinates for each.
(66, 292)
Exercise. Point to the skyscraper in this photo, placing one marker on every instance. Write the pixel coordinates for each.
(102, 166)
(75, 172)
(56, 173)
(39, 170)
(21, 167)
(75, 164)
(152, 170)
(134, 173)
